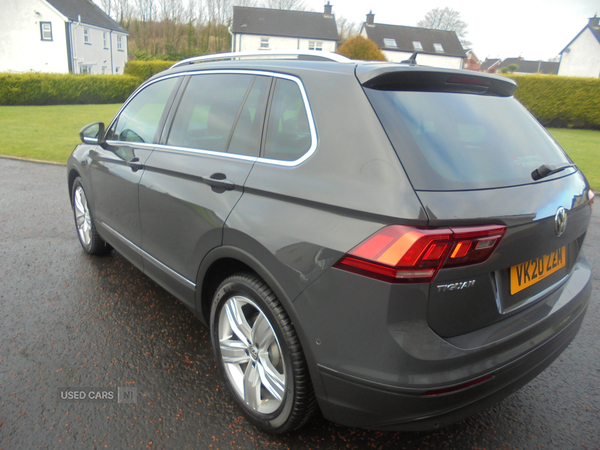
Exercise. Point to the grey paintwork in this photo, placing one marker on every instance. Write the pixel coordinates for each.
(373, 348)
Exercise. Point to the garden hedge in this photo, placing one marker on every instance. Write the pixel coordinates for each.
(145, 69)
(561, 102)
(55, 89)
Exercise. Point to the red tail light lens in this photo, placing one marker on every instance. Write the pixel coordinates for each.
(403, 254)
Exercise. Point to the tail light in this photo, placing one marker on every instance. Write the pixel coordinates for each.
(403, 254)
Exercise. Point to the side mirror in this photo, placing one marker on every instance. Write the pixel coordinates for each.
(93, 133)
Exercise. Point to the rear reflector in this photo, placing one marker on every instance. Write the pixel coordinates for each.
(403, 254)
(458, 388)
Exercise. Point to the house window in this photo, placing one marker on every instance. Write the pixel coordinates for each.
(389, 42)
(104, 40)
(417, 45)
(86, 36)
(264, 42)
(120, 43)
(85, 69)
(46, 29)
(315, 45)
(103, 70)
(438, 47)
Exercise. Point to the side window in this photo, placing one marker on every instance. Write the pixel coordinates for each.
(138, 122)
(288, 132)
(221, 113)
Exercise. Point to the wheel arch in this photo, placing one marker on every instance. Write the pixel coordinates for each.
(71, 177)
(225, 261)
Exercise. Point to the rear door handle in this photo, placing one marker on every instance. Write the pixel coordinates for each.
(219, 183)
(133, 164)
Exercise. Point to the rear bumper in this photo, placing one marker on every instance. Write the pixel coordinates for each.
(360, 403)
(376, 358)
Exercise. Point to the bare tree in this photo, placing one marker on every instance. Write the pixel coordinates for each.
(448, 20)
(122, 11)
(346, 29)
(145, 10)
(105, 5)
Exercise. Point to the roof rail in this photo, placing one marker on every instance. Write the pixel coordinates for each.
(267, 54)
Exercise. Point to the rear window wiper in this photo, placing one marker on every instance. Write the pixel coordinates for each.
(546, 170)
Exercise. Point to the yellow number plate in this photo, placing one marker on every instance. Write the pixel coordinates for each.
(528, 273)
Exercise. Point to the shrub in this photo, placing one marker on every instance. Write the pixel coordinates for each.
(55, 89)
(145, 69)
(362, 48)
(561, 102)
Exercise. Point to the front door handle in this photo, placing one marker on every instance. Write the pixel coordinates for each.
(219, 183)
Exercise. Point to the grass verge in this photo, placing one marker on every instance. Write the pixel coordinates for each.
(49, 133)
(583, 147)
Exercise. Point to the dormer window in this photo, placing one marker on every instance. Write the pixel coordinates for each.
(438, 47)
(389, 42)
(417, 45)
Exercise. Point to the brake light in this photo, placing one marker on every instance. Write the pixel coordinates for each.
(404, 254)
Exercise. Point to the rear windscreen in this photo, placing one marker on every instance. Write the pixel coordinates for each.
(449, 141)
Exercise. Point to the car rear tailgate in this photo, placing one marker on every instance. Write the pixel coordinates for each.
(464, 299)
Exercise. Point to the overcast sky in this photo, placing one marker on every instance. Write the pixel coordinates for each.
(533, 29)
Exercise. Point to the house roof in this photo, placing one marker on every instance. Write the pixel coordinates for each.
(278, 22)
(404, 37)
(593, 25)
(530, 66)
(89, 12)
(488, 63)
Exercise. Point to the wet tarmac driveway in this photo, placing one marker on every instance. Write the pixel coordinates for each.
(99, 326)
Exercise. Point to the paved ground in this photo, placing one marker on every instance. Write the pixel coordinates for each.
(71, 320)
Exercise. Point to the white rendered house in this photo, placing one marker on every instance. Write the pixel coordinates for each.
(581, 57)
(255, 29)
(435, 48)
(60, 36)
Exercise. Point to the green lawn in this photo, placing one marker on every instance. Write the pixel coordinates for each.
(50, 133)
(583, 147)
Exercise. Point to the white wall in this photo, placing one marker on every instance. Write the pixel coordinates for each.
(446, 62)
(583, 57)
(251, 43)
(21, 46)
(94, 54)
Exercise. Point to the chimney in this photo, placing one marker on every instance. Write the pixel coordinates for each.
(371, 19)
(594, 21)
(328, 10)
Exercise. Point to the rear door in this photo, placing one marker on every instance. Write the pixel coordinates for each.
(193, 181)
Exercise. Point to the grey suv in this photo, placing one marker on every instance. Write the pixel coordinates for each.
(398, 246)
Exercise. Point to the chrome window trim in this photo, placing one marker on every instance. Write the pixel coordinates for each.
(276, 162)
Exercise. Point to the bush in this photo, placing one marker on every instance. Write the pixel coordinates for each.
(145, 69)
(561, 102)
(362, 48)
(55, 89)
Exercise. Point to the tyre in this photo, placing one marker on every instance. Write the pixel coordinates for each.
(89, 238)
(259, 355)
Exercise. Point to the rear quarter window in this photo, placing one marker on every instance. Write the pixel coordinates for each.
(457, 141)
(288, 131)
